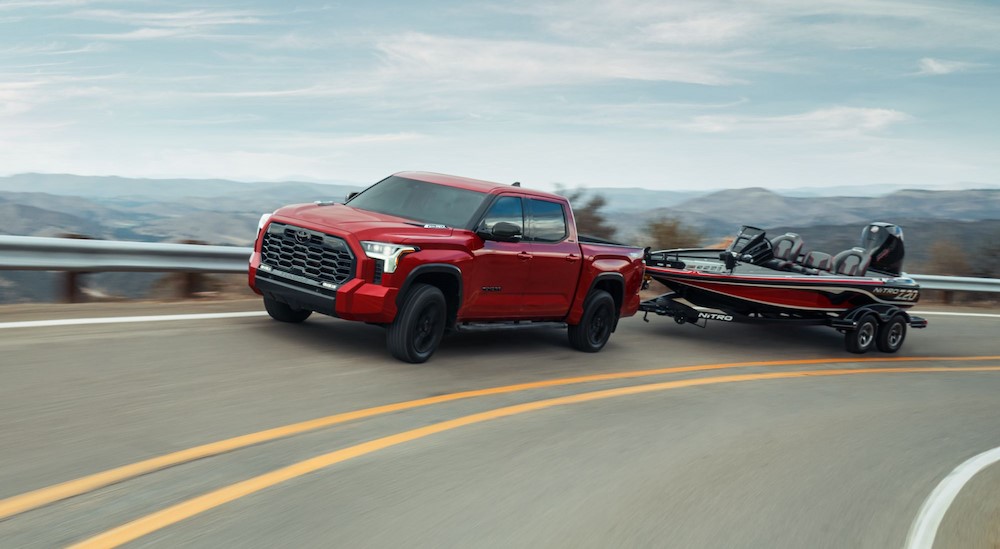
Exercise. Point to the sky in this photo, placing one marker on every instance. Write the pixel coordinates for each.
(673, 95)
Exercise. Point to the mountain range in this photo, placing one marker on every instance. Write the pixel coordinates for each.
(226, 212)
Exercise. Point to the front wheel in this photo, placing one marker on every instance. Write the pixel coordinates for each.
(891, 334)
(594, 329)
(419, 324)
(284, 313)
(862, 339)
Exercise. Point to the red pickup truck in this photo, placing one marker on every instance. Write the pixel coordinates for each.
(423, 254)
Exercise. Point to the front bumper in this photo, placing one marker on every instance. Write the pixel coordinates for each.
(353, 300)
(295, 296)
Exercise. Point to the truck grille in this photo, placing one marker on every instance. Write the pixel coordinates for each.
(313, 255)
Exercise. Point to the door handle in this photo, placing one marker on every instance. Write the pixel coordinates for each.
(523, 256)
(572, 258)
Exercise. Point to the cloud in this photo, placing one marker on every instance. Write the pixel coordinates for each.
(157, 25)
(139, 34)
(29, 93)
(713, 23)
(23, 4)
(713, 29)
(833, 121)
(175, 19)
(505, 63)
(930, 66)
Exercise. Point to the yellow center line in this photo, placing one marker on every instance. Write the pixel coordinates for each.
(186, 509)
(44, 496)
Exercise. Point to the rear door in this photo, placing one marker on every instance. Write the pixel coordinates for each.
(555, 260)
(496, 285)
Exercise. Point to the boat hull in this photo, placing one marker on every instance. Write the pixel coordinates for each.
(793, 294)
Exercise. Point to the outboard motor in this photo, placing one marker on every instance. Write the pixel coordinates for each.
(884, 244)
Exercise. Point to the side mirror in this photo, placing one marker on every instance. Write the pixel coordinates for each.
(502, 232)
(351, 195)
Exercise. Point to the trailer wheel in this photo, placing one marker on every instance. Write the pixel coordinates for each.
(594, 329)
(891, 334)
(415, 333)
(282, 312)
(862, 339)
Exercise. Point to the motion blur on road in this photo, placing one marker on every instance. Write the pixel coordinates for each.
(672, 436)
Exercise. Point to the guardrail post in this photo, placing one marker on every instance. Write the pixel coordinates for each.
(190, 285)
(191, 282)
(71, 287)
(71, 282)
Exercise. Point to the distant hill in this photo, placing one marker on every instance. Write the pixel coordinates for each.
(720, 213)
(122, 188)
(226, 212)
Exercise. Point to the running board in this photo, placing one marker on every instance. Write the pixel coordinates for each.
(506, 325)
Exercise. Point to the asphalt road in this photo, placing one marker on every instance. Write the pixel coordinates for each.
(690, 458)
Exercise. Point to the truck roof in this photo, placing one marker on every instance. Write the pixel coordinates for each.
(472, 184)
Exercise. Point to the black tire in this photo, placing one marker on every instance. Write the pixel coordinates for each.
(862, 339)
(892, 334)
(416, 332)
(284, 313)
(595, 326)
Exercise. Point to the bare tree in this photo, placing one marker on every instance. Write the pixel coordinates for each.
(587, 210)
(988, 258)
(666, 233)
(947, 258)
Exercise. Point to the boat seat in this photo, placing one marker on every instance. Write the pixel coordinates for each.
(786, 249)
(853, 262)
(818, 260)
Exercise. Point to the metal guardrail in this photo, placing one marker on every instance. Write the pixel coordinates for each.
(33, 253)
(956, 283)
(78, 255)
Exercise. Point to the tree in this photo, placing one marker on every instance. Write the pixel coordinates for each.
(988, 258)
(948, 258)
(589, 219)
(666, 233)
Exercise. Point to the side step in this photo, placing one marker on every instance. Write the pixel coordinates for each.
(506, 325)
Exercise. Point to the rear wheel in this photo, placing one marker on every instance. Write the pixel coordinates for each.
(862, 339)
(594, 329)
(891, 334)
(282, 312)
(416, 332)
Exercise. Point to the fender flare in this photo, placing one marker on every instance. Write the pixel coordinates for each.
(617, 278)
(420, 270)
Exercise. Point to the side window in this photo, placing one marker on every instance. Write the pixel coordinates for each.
(506, 208)
(548, 221)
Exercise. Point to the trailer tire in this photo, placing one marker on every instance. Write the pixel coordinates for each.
(891, 334)
(416, 331)
(283, 312)
(861, 339)
(595, 326)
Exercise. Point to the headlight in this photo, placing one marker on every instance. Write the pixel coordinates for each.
(389, 253)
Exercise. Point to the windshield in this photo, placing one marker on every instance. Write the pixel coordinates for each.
(420, 201)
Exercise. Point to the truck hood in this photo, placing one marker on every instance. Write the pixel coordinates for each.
(364, 224)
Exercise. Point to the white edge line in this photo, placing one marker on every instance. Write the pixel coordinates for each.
(925, 526)
(943, 313)
(210, 316)
(124, 319)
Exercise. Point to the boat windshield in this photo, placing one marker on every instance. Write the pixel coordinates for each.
(752, 242)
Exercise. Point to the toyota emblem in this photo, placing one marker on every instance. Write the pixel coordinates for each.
(301, 236)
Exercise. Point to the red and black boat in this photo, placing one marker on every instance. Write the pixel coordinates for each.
(861, 291)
